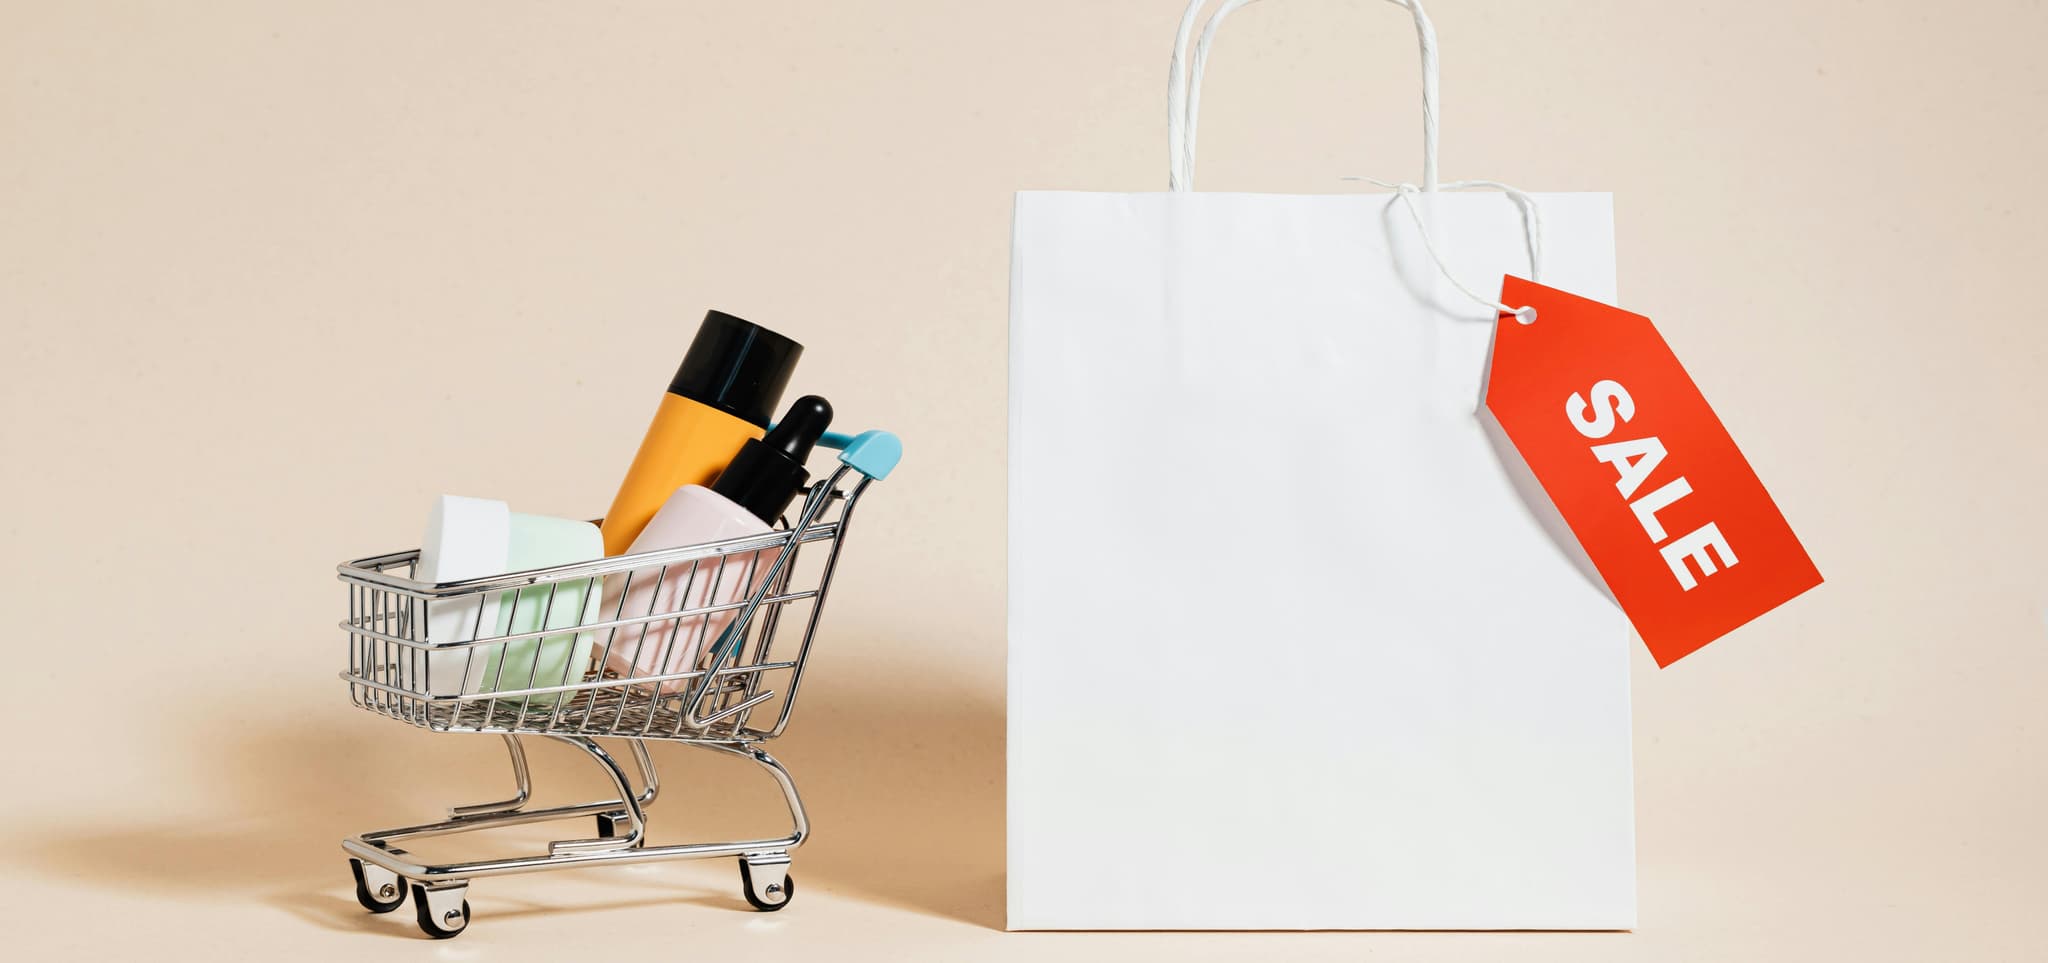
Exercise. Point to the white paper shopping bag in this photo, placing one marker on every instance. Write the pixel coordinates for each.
(1286, 648)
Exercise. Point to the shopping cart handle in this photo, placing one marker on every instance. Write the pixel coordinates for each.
(872, 453)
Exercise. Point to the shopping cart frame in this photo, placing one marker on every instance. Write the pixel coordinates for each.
(708, 706)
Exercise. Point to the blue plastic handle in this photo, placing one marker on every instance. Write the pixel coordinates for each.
(872, 453)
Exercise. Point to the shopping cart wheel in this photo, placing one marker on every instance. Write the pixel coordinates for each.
(777, 888)
(443, 912)
(378, 889)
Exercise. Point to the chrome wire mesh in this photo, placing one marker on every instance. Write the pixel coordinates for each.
(740, 687)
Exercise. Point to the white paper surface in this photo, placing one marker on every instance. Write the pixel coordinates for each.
(1286, 649)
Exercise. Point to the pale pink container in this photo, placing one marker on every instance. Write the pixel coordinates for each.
(693, 515)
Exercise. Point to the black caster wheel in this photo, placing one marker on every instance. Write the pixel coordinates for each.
(438, 913)
(378, 889)
(776, 895)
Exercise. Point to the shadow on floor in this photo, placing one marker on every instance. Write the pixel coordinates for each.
(903, 783)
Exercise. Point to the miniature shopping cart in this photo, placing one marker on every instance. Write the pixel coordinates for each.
(733, 696)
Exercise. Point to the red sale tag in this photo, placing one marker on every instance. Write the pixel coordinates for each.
(1644, 474)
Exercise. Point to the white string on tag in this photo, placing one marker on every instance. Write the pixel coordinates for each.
(1532, 235)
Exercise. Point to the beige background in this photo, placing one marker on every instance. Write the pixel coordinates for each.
(273, 274)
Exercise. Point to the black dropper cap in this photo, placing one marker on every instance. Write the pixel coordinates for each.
(768, 472)
(737, 367)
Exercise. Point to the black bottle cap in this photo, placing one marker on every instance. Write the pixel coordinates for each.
(737, 367)
(768, 472)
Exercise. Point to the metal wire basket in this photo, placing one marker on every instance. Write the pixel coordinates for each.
(713, 659)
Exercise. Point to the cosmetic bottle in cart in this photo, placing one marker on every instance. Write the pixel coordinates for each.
(746, 499)
(721, 397)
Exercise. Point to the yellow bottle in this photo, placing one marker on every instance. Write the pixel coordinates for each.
(724, 393)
